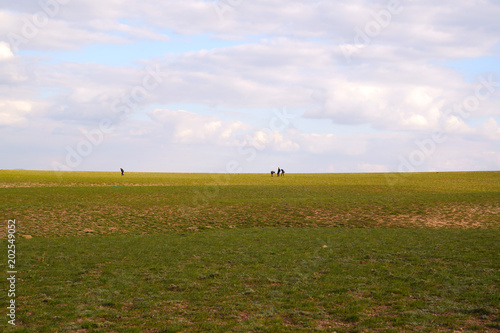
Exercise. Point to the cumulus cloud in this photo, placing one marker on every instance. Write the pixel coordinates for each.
(490, 129)
(5, 51)
(13, 112)
(382, 104)
(331, 144)
(192, 128)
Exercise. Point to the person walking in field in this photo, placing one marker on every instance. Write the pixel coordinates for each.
(279, 170)
(122, 171)
(272, 173)
(282, 172)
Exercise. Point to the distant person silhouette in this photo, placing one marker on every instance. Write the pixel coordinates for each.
(282, 172)
(279, 170)
(122, 171)
(272, 173)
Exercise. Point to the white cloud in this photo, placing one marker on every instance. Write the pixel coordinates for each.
(191, 128)
(5, 51)
(315, 143)
(490, 129)
(56, 32)
(456, 125)
(430, 29)
(367, 167)
(266, 139)
(384, 104)
(396, 85)
(13, 112)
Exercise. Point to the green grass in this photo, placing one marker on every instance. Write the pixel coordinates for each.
(477, 181)
(269, 279)
(137, 203)
(239, 253)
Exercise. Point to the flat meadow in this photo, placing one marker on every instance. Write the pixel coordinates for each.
(175, 252)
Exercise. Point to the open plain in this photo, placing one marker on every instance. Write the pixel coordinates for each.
(166, 252)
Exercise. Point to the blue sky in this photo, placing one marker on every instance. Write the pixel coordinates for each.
(202, 86)
(471, 68)
(128, 54)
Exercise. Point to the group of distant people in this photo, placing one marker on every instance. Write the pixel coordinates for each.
(280, 172)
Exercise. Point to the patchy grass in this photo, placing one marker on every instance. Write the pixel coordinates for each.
(451, 200)
(438, 181)
(269, 279)
(214, 252)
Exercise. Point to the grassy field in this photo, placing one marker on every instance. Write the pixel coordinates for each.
(153, 252)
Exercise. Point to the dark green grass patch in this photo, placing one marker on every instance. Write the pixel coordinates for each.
(265, 279)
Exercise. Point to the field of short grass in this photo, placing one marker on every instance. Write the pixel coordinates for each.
(98, 252)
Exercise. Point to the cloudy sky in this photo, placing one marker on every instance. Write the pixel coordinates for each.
(250, 86)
